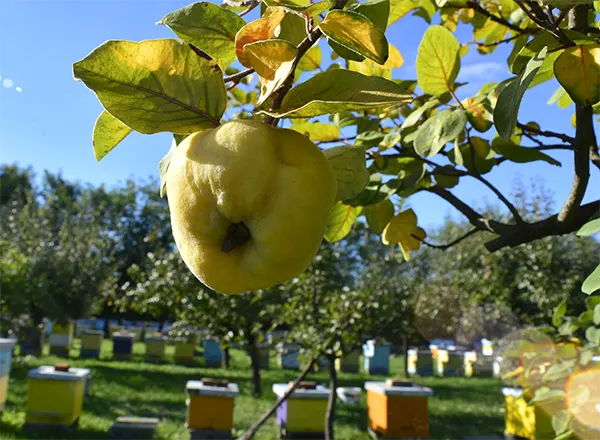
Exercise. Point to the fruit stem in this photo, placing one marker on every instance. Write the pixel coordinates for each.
(237, 235)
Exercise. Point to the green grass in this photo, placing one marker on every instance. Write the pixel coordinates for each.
(460, 406)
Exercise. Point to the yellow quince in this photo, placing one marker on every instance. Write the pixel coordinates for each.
(249, 204)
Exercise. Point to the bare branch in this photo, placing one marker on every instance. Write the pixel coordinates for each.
(250, 8)
(236, 77)
(546, 133)
(454, 242)
(477, 7)
(476, 219)
(514, 211)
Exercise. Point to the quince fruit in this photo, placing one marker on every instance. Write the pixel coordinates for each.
(249, 204)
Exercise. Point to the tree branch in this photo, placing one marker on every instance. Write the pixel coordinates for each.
(546, 133)
(258, 424)
(236, 77)
(514, 211)
(454, 242)
(476, 219)
(544, 228)
(584, 136)
(477, 7)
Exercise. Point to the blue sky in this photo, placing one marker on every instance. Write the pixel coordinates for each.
(46, 118)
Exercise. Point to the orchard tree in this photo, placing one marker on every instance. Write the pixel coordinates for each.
(413, 134)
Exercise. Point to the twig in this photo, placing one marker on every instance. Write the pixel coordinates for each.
(236, 77)
(536, 15)
(454, 242)
(331, 141)
(258, 424)
(232, 85)
(502, 198)
(546, 133)
(473, 216)
(496, 43)
(250, 8)
(477, 7)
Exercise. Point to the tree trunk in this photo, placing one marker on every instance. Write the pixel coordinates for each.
(35, 333)
(330, 415)
(255, 363)
(405, 353)
(226, 357)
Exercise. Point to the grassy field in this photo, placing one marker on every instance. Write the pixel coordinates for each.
(460, 407)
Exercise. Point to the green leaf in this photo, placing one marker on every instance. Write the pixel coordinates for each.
(378, 11)
(509, 101)
(546, 72)
(311, 60)
(591, 227)
(577, 69)
(545, 394)
(273, 61)
(597, 315)
(592, 334)
(376, 191)
(560, 421)
(559, 313)
(292, 28)
(318, 131)
(437, 131)
(209, 27)
(473, 162)
(340, 221)
(559, 371)
(379, 215)
(438, 61)
(108, 133)
(561, 98)
(516, 153)
(446, 180)
(155, 85)
(357, 33)
(414, 117)
(337, 91)
(350, 168)
(592, 282)
(305, 10)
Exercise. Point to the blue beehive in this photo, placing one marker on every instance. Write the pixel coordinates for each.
(212, 353)
(377, 357)
(123, 345)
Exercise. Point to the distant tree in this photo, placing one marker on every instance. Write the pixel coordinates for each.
(16, 184)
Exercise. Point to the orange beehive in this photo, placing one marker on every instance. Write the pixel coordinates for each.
(210, 406)
(398, 411)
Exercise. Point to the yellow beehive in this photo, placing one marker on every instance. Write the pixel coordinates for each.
(6, 347)
(184, 351)
(92, 340)
(55, 397)
(398, 411)
(304, 411)
(525, 421)
(61, 339)
(155, 348)
(210, 405)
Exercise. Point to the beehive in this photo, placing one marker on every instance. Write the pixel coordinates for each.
(123, 345)
(398, 411)
(303, 413)
(525, 421)
(61, 339)
(155, 348)
(91, 343)
(377, 357)
(210, 406)
(348, 363)
(55, 396)
(426, 363)
(6, 351)
(451, 363)
(213, 356)
(184, 351)
(287, 357)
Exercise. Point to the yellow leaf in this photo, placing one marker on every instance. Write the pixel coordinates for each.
(412, 243)
(370, 68)
(403, 229)
(438, 60)
(577, 69)
(257, 30)
(272, 60)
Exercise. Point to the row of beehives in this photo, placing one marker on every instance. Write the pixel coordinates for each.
(432, 362)
(56, 396)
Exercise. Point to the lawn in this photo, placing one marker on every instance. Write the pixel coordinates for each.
(460, 407)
